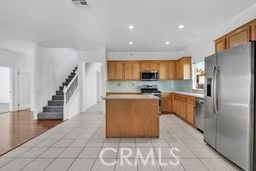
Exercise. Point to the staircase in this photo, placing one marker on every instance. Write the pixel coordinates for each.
(55, 108)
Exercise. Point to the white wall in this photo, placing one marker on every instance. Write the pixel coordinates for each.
(143, 55)
(204, 46)
(5, 85)
(89, 85)
(97, 61)
(53, 66)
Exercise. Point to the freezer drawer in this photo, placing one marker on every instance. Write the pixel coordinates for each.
(199, 110)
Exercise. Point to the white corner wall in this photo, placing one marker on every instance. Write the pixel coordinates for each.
(95, 62)
(204, 46)
(5, 85)
(89, 83)
(53, 66)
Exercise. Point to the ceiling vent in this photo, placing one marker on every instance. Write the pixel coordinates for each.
(80, 2)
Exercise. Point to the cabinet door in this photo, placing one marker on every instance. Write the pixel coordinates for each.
(176, 104)
(163, 71)
(115, 70)
(179, 70)
(154, 66)
(132, 71)
(190, 110)
(119, 72)
(220, 45)
(182, 111)
(111, 70)
(145, 66)
(172, 70)
(190, 116)
(238, 37)
(166, 103)
(253, 30)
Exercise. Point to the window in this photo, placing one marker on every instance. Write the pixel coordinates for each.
(198, 75)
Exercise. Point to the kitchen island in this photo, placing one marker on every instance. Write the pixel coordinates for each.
(131, 116)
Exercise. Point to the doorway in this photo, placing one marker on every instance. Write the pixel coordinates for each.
(24, 84)
(5, 89)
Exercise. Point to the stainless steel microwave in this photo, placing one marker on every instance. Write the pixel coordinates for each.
(149, 75)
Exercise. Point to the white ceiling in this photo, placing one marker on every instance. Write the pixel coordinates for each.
(58, 23)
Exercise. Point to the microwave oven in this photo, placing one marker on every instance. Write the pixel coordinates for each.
(149, 75)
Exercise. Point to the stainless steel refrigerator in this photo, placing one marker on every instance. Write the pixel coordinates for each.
(229, 123)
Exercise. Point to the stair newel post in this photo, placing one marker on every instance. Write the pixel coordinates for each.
(65, 112)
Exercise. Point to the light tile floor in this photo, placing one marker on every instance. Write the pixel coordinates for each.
(76, 145)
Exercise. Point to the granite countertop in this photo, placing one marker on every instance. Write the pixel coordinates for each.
(144, 97)
(198, 95)
(124, 91)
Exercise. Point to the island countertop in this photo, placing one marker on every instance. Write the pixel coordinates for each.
(127, 97)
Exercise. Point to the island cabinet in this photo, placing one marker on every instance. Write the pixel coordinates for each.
(132, 71)
(184, 68)
(132, 116)
(115, 70)
(166, 102)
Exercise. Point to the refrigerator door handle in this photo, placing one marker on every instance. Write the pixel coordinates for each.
(213, 89)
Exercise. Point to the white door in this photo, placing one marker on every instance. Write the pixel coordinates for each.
(23, 89)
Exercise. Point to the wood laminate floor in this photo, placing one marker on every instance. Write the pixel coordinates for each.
(17, 128)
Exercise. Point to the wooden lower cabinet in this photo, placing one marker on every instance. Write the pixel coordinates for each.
(190, 115)
(176, 104)
(166, 102)
(184, 107)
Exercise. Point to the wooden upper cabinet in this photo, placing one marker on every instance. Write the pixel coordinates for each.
(184, 68)
(132, 71)
(220, 45)
(253, 30)
(167, 70)
(149, 66)
(238, 37)
(163, 71)
(172, 70)
(115, 70)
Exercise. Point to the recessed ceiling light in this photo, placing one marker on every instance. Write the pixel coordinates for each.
(167, 42)
(130, 43)
(181, 26)
(131, 27)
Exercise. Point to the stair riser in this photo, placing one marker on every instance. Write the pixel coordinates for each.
(59, 93)
(42, 116)
(57, 97)
(68, 80)
(52, 109)
(71, 77)
(65, 84)
(55, 103)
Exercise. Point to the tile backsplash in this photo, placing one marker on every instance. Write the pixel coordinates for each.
(170, 85)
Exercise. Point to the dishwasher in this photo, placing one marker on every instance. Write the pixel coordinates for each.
(199, 110)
